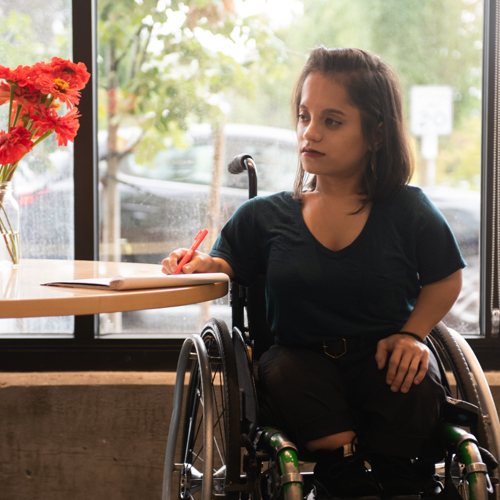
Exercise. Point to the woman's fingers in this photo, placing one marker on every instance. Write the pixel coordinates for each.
(408, 363)
(383, 350)
(169, 265)
(407, 370)
(423, 367)
(394, 365)
(200, 262)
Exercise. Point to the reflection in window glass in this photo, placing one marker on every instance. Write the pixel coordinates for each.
(185, 88)
(32, 31)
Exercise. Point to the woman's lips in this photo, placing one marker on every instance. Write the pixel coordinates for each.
(312, 153)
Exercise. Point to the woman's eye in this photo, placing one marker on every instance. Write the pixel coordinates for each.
(330, 121)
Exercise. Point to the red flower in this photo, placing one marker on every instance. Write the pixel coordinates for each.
(4, 72)
(61, 88)
(21, 75)
(62, 78)
(27, 96)
(76, 74)
(65, 126)
(14, 145)
(4, 93)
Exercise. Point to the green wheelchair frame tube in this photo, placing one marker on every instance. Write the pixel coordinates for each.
(285, 455)
(476, 472)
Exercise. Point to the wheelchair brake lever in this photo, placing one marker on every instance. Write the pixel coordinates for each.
(245, 441)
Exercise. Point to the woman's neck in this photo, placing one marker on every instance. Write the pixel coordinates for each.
(347, 188)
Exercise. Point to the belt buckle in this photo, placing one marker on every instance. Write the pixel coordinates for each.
(335, 356)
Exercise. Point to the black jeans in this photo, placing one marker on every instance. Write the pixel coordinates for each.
(309, 395)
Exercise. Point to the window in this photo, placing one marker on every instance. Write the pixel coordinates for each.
(181, 88)
(32, 32)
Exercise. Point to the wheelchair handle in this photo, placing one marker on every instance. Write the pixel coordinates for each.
(245, 162)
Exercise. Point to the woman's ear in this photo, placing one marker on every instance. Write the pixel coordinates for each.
(379, 137)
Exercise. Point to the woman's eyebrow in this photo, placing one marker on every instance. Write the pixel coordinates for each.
(326, 111)
(333, 110)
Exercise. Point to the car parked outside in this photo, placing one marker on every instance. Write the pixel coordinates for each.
(166, 202)
(158, 200)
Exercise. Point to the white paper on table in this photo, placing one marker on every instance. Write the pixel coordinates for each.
(134, 282)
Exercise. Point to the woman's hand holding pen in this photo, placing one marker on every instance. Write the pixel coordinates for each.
(199, 263)
(408, 362)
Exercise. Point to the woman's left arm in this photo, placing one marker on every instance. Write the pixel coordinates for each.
(409, 360)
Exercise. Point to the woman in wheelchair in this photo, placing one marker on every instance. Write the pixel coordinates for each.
(359, 268)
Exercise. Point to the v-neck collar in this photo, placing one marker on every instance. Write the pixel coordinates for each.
(335, 253)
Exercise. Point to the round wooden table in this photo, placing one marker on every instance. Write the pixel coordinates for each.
(22, 296)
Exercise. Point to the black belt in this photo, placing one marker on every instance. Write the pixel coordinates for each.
(336, 348)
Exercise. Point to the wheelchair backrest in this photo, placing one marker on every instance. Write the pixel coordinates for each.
(250, 299)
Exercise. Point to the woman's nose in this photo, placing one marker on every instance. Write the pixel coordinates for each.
(311, 131)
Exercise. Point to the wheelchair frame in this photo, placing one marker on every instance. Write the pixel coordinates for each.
(261, 445)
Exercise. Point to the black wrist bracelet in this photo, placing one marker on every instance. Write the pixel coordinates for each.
(414, 335)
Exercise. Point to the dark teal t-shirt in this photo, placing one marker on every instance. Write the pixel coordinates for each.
(369, 287)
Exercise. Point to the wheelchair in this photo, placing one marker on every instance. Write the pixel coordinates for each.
(222, 452)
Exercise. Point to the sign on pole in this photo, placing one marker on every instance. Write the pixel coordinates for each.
(431, 114)
(431, 110)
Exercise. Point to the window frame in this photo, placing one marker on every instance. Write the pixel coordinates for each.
(86, 351)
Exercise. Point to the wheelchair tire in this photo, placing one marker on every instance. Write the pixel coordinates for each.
(226, 428)
(452, 354)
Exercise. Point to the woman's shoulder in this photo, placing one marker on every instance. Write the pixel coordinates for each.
(283, 200)
(408, 207)
(281, 197)
(410, 198)
(267, 207)
(408, 194)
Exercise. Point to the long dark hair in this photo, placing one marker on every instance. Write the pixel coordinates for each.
(374, 89)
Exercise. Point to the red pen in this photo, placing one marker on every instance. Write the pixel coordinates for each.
(197, 241)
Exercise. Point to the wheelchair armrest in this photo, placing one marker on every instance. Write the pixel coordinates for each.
(458, 412)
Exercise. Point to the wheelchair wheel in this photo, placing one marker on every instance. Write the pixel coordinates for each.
(226, 419)
(447, 349)
(451, 354)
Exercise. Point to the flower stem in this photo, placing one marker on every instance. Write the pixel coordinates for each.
(8, 235)
(10, 172)
(13, 87)
(18, 112)
(41, 138)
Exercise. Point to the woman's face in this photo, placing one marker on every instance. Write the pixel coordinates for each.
(330, 139)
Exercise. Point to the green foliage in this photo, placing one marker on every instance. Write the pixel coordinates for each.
(153, 57)
(460, 157)
(25, 39)
(28, 35)
(426, 41)
(155, 61)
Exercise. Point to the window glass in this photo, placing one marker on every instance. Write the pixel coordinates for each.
(32, 31)
(184, 88)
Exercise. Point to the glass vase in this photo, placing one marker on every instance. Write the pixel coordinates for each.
(9, 227)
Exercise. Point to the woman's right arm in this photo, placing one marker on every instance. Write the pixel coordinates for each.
(199, 263)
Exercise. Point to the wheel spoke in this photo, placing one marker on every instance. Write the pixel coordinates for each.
(194, 438)
(218, 426)
(218, 451)
(189, 434)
